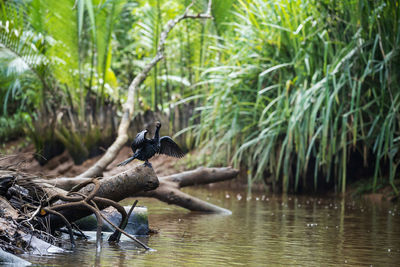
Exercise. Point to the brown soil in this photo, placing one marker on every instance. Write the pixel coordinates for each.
(21, 158)
(382, 195)
(63, 165)
(14, 156)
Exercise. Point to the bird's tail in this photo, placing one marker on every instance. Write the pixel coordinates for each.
(126, 161)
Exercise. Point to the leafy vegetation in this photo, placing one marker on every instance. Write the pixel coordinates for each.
(56, 66)
(301, 87)
(304, 92)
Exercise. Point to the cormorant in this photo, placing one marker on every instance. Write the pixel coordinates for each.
(144, 149)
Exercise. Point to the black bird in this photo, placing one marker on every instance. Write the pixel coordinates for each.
(144, 149)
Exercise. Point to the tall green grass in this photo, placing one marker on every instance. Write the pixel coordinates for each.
(300, 87)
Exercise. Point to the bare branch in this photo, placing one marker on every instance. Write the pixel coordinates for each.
(128, 108)
(121, 230)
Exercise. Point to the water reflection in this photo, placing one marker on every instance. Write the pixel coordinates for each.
(263, 231)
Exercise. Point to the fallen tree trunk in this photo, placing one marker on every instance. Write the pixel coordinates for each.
(37, 207)
(45, 207)
(169, 193)
(114, 188)
(201, 175)
(168, 190)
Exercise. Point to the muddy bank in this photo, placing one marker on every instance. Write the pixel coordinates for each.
(63, 165)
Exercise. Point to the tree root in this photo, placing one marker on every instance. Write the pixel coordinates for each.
(75, 199)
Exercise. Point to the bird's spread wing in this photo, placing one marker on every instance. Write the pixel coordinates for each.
(139, 140)
(170, 148)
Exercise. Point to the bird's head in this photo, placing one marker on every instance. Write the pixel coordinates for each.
(158, 124)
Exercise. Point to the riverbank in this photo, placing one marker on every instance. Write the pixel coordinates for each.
(23, 159)
(20, 155)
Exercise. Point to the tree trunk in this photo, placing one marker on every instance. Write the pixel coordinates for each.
(116, 188)
(168, 191)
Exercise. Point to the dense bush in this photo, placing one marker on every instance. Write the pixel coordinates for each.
(299, 88)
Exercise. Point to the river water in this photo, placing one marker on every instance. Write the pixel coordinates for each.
(262, 231)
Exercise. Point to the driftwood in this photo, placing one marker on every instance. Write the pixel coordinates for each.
(128, 107)
(114, 188)
(168, 189)
(169, 192)
(44, 208)
(88, 195)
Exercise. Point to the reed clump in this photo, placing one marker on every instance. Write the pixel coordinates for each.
(301, 88)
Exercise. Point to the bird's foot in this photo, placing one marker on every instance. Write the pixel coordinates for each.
(148, 164)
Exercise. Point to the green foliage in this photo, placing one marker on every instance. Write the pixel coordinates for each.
(306, 81)
(22, 64)
(12, 127)
(171, 79)
(291, 89)
(53, 60)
